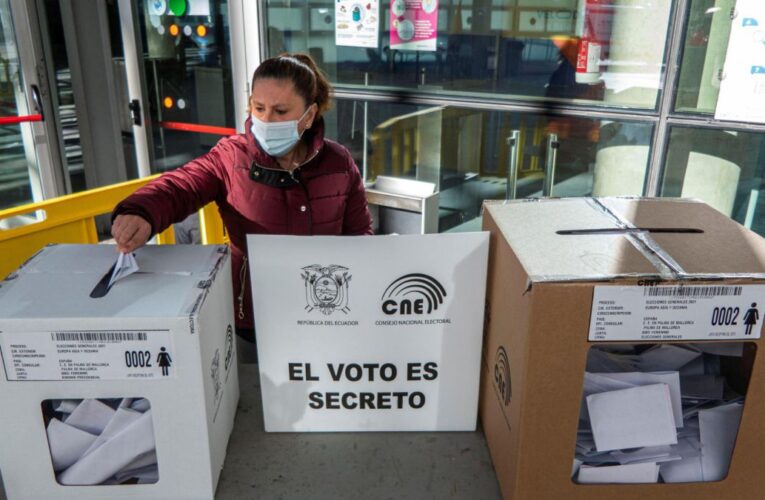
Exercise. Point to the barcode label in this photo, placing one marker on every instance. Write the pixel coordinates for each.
(87, 355)
(695, 291)
(99, 336)
(676, 312)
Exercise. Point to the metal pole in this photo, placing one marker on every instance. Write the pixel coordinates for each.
(132, 68)
(661, 132)
(550, 160)
(512, 164)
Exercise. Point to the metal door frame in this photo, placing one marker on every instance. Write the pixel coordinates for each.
(137, 89)
(248, 40)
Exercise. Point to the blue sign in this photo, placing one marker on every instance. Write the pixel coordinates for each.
(749, 21)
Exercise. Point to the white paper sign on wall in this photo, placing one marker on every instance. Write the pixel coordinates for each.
(742, 88)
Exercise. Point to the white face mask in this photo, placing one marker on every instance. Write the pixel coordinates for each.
(276, 138)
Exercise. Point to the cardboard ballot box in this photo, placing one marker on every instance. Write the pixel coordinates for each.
(622, 348)
(127, 391)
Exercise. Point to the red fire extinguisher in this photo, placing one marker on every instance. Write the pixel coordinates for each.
(593, 27)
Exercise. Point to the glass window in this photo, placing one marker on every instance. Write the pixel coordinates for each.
(188, 73)
(704, 50)
(70, 130)
(470, 155)
(518, 49)
(724, 168)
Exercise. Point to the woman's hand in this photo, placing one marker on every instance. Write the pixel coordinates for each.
(130, 232)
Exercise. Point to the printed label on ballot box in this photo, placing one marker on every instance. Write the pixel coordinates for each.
(87, 355)
(677, 312)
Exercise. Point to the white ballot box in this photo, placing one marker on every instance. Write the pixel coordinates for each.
(372, 333)
(622, 349)
(121, 390)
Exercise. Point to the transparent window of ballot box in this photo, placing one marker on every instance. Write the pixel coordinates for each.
(661, 413)
(101, 441)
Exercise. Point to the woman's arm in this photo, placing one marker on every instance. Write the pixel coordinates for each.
(177, 194)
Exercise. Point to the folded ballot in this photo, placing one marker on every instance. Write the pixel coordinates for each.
(123, 267)
(632, 418)
(96, 442)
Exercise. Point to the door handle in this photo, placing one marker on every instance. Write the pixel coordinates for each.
(550, 160)
(512, 164)
(37, 100)
(135, 111)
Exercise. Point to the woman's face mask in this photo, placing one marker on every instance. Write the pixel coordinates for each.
(277, 138)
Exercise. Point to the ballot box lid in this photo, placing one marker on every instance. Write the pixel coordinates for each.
(58, 282)
(596, 239)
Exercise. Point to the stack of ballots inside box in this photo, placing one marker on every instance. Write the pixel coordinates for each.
(109, 441)
(659, 413)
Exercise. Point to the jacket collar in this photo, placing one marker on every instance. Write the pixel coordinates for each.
(313, 137)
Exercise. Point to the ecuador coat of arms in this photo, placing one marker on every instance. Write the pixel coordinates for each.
(326, 288)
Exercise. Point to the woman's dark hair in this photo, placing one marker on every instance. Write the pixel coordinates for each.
(302, 71)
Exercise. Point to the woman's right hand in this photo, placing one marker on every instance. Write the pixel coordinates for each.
(130, 232)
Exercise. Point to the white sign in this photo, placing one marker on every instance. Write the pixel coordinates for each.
(742, 89)
(87, 355)
(357, 23)
(682, 312)
(369, 333)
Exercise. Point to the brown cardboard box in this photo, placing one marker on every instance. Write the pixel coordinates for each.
(539, 302)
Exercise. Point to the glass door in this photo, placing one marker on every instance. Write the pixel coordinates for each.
(27, 170)
(182, 58)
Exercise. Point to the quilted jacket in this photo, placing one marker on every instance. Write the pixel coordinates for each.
(323, 196)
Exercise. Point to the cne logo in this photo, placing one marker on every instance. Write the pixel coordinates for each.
(413, 294)
(326, 288)
(502, 375)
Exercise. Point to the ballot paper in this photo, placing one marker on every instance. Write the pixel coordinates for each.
(125, 266)
(632, 473)
(687, 470)
(632, 418)
(601, 382)
(91, 416)
(655, 454)
(67, 444)
(666, 357)
(121, 419)
(718, 428)
(102, 441)
(65, 405)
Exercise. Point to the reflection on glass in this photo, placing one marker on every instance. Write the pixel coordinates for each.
(17, 154)
(188, 72)
(591, 51)
(70, 130)
(724, 168)
(466, 152)
(706, 43)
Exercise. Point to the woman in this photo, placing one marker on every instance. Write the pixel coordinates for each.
(280, 177)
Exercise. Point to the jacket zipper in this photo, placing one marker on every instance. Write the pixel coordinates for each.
(242, 275)
(307, 201)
